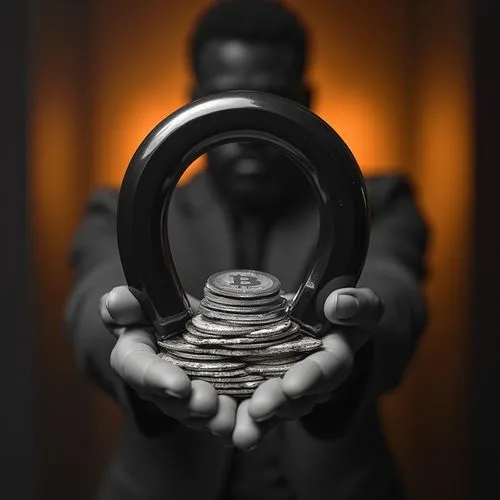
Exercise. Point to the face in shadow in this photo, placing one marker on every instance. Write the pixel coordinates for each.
(252, 176)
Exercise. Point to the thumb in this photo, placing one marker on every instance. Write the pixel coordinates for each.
(353, 306)
(121, 307)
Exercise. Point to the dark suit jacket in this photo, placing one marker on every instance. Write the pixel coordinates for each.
(160, 459)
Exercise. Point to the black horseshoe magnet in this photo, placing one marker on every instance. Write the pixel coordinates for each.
(179, 139)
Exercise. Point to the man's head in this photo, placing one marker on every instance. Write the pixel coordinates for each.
(251, 45)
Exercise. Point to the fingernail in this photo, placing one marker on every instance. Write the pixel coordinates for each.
(106, 303)
(345, 306)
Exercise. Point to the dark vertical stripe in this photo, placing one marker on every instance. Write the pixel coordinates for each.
(18, 414)
(485, 393)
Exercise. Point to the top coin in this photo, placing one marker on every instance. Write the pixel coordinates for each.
(243, 284)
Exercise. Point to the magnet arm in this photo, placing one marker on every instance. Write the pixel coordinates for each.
(164, 155)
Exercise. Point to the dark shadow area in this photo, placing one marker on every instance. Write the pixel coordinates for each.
(485, 400)
(19, 414)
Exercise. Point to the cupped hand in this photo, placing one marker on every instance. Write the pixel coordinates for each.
(134, 358)
(353, 313)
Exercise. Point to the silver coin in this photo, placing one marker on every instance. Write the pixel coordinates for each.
(243, 342)
(237, 385)
(284, 336)
(248, 318)
(246, 302)
(204, 335)
(219, 351)
(194, 357)
(246, 377)
(260, 345)
(199, 338)
(304, 345)
(179, 345)
(211, 375)
(242, 319)
(269, 369)
(301, 345)
(243, 339)
(207, 366)
(236, 393)
(217, 328)
(278, 360)
(243, 283)
(278, 329)
(279, 305)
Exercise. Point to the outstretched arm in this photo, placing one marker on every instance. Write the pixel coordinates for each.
(96, 266)
(374, 330)
(155, 393)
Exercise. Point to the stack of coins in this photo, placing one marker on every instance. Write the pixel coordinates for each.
(242, 335)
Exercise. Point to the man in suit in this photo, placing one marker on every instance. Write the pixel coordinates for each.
(315, 433)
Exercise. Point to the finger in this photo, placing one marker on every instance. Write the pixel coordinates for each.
(248, 433)
(194, 411)
(122, 307)
(105, 316)
(347, 342)
(204, 400)
(353, 306)
(222, 424)
(303, 378)
(321, 371)
(109, 322)
(135, 360)
(335, 360)
(266, 400)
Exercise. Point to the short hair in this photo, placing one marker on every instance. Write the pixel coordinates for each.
(250, 21)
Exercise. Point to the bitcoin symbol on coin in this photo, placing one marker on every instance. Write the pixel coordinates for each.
(240, 281)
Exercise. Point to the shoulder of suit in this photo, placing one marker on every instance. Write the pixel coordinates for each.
(382, 190)
(187, 199)
(103, 199)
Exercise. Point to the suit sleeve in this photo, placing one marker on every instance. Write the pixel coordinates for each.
(96, 265)
(394, 270)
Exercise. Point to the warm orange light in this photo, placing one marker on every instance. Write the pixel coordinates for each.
(367, 112)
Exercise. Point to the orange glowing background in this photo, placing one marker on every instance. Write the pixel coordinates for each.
(391, 77)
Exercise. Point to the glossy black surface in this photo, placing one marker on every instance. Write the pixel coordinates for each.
(170, 148)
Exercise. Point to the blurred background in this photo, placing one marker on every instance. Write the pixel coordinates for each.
(398, 79)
